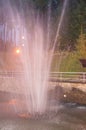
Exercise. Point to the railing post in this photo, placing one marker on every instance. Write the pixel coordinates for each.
(61, 76)
(83, 77)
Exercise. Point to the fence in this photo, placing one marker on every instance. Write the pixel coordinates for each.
(77, 77)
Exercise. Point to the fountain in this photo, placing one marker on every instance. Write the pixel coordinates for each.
(36, 54)
(33, 107)
(36, 59)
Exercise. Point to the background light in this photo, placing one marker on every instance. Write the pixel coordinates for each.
(65, 95)
(23, 37)
(18, 51)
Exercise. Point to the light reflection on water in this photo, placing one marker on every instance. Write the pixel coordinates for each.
(64, 119)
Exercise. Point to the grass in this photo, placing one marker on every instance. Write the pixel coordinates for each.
(67, 62)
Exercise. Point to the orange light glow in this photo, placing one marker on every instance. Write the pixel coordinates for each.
(24, 115)
(18, 51)
(13, 101)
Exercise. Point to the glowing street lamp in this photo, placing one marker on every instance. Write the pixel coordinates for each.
(18, 51)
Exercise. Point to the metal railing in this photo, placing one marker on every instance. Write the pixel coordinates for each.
(11, 74)
(54, 76)
(77, 77)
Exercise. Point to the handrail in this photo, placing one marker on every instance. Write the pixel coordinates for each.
(69, 76)
(54, 76)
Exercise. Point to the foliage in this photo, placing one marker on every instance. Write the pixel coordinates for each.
(81, 46)
(75, 18)
(67, 62)
(71, 63)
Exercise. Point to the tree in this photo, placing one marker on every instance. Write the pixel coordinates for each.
(81, 46)
(77, 17)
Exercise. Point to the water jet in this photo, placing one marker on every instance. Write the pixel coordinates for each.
(36, 55)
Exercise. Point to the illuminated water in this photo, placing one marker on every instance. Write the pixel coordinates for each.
(18, 113)
(36, 54)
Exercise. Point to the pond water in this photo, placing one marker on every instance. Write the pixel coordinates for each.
(68, 117)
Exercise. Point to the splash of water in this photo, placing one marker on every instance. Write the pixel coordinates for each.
(35, 58)
(37, 66)
(60, 22)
